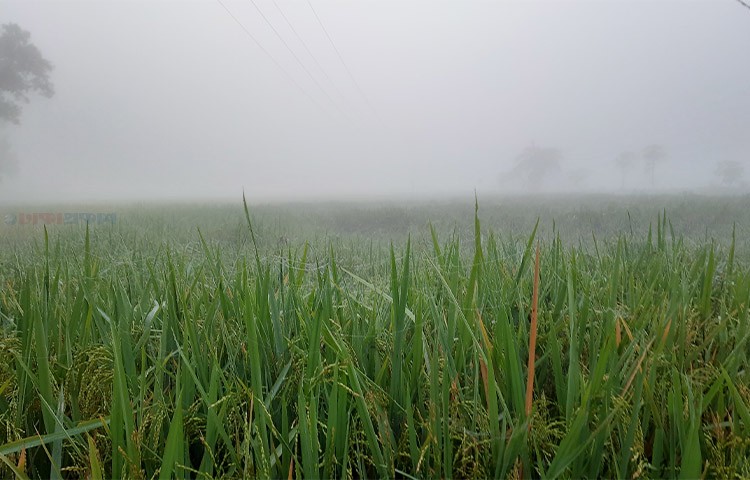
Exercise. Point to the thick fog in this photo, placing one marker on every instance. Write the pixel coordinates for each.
(202, 99)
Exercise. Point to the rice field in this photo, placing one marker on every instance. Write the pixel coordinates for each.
(330, 342)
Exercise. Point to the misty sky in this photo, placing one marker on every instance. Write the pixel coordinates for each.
(173, 99)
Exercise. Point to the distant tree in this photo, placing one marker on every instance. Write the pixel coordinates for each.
(625, 162)
(535, 164)
(730, 172)
(578, 177)
(652, 155)
(23, 71)
(8, 159)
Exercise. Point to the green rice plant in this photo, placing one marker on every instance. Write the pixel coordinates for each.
(143, 349)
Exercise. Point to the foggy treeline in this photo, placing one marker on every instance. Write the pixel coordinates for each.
(290, 100)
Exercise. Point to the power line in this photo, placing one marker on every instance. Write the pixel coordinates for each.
(746, 5)
(307, 49)
(359, 89)
(268, 54)
(278, 35)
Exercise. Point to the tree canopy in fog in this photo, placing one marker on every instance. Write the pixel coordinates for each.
(23, 70)
(730, 172)
(535, 164)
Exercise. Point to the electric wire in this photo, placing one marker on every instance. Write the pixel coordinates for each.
(309, 52)
(346, 67)
(304, 67)
(271, 57)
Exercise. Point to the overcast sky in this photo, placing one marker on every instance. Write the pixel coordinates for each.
(174, 99)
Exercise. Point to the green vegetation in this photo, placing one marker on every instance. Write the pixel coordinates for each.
(151, 348)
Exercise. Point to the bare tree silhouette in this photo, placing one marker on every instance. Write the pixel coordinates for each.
(625, 162)
(652, 155)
